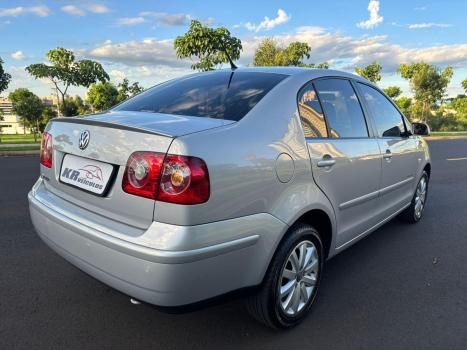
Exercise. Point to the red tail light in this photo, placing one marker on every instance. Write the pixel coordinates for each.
(167, 178)
(46, 150)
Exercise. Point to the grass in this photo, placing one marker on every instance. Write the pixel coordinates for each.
(20, 138)
(23, 148)
(448, 133)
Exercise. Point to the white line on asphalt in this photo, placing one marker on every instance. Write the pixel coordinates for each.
(462, 158)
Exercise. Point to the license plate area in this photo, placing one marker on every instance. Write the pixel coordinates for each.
(89, 175)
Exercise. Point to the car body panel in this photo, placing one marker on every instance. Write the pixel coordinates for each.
(263, 178)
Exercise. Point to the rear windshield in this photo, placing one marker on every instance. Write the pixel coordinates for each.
(220, 95)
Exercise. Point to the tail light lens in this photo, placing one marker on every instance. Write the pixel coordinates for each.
(46, 150)
(167, 178)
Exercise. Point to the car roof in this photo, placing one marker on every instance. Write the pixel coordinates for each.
(310, 73)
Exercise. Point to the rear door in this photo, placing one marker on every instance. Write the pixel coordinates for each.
(345, 160)
(399, 150)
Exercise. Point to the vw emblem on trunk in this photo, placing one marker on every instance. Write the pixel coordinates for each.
(84, 139)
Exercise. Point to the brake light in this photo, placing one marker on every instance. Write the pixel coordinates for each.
(167, 178)
(46, 150)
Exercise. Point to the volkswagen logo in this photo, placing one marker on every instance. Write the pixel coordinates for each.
(84, 139)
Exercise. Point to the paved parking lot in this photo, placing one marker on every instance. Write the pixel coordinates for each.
(403, 287)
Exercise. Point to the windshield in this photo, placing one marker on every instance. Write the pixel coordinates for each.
(220, 95)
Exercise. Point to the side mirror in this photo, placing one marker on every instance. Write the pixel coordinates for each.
(421, 129)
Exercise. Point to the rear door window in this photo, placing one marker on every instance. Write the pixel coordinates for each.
(311, 115)
(220, 95)
(342, 109)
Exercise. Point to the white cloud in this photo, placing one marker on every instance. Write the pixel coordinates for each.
(138, 52)
(420, 8)
(73, 10)
(268, 23)
(41, 11)
(375, 18)
(97, 8)
(83, 9)
(130, 21)
(168, 19)
(18, 55)
(428, 25)
(117, 74)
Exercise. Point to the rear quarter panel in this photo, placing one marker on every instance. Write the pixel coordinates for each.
(241, 160)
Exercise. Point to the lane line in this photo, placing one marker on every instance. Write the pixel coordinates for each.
(462, 158)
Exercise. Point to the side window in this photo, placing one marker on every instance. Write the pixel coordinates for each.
(388, 120)
(342, 109)
(311, 115)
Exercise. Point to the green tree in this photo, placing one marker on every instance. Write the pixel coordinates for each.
(28, 107)
(102, 96)
(393, 91)
(269, 53)
(47, 114)
(211, 46)
(428, 84)
(464, 85)
(372, 72)
(125, 90)
(4, 78)
(405, 105)
(65, 71)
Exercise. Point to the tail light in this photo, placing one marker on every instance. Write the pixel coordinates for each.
(46, 150)
(167, 178)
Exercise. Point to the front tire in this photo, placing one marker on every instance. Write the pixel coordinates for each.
(291, 283)
(414, 212)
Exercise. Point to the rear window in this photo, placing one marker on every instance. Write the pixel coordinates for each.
(220, 95)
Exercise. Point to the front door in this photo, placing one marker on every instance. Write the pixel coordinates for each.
(398, 150)
(346, 162)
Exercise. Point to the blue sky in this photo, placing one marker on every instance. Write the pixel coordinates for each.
(133, 39)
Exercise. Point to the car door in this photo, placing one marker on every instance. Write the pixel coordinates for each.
(399, 150)
(346, 161)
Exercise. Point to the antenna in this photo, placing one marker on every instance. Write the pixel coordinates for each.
(232, 65)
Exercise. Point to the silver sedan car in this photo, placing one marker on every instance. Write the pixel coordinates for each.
(226, 180)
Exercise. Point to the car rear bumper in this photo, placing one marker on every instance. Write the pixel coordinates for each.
(165, 265)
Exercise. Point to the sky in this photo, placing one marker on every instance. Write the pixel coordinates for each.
(134, 39)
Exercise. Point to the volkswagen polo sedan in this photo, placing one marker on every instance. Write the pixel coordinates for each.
(225, 180)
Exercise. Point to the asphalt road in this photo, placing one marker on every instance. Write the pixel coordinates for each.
(403, 287)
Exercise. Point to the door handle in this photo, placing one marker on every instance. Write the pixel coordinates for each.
(387, 155)
(326, 161)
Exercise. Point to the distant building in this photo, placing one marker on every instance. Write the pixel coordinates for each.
(11, 124)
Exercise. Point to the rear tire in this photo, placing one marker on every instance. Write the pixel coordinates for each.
(414, 212)
(291, 283)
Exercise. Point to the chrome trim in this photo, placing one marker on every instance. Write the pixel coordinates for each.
(392, 187)
(374, 227)
(359, 200)
(374, 194)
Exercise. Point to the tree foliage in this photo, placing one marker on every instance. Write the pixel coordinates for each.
(28, 107)
(102, 96)
(372, 72)
(393, 91)
(269, 53)
(211, 46)
(74, 106)
(47, 114)
(428, 84)
(125, 90)
(65, 71)
(405, 105)
(464, 85)
(5, 78)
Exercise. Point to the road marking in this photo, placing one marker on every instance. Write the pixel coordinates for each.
(462, 158)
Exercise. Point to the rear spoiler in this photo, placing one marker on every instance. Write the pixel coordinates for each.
(85, 121)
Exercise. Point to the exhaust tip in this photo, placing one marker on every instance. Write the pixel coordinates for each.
(134, 301)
